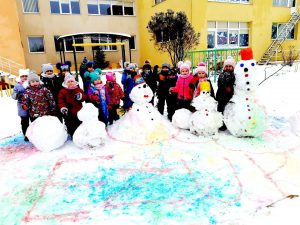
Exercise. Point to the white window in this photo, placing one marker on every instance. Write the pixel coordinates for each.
(30, 6)
(36, 44)
(284, 3)
(64, 6)
(232, 1)
(277, 28)
(104, 39)
(223, 34)
(68, 43)
(106, 7)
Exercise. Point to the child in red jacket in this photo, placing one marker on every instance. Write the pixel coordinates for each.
(115, 93)
(70, 99)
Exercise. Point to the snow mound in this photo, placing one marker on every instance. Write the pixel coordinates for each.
(47, 133)
(181, 119)
(91, 133)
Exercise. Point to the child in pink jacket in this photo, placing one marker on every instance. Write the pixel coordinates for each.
(184, 94)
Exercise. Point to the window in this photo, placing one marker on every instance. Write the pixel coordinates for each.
(227, 34)
(104, 39)
(231, 1)
(64, 6)
(56, 43)
(68, 43)
(105, 7)
(158, 1)
(284, 3)
(30, 6)
(278, 27)
(36, 44)
(132, 43)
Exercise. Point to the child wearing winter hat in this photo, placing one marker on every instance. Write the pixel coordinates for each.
(128, 83)
(225, 85)
(90, 74)
(200, 76)
(37, 99)
(98, 95)
(17, 94)
(115, 93)
(70, 99)
(184, 95)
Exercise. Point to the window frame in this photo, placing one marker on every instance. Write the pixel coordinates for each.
(277, 24)
(36, 36)
(60, 7)
(245, 2)
(240, 30)
(38, 7)
(109, 47)
(158, 1)
(74, 42)
(111, 4)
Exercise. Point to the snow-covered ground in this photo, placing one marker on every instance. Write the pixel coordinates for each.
(186, 180)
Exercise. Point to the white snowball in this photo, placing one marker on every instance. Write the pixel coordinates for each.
(47, 133)
(143, 124)
(206, 120)
(141, 94)
(91, 133)
(295, 123)
(181, 118)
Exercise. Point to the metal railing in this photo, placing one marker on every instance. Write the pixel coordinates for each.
(10, 66)
(214, 59)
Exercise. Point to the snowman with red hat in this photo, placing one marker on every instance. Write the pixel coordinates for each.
(242, 116)
(142, 124)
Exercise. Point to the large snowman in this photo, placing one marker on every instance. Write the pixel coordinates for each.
(206, 120)
(142, 124)
(242, 116)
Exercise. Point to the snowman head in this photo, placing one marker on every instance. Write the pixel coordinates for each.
(88, 112)
(141, 93)
(245, 72)
(204, 99)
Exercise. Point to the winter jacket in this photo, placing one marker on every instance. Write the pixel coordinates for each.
(128, 85)
(17, 94)
(150, 79)
(182, 87)
(92, 75)
(67, 98)
(115, 92)
(39, 101)
(54, 84)
(194, 86)
(165, 82)
(225, 89)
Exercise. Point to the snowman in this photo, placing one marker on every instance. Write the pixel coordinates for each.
(91, 133)
(242, 116)
(142, 124)
(206, 120)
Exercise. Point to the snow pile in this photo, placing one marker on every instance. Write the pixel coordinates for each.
(242, 116)
(295, 123)
(181, 118)
(143, 124)
(206, 120)
(47, 133)
(91, 133)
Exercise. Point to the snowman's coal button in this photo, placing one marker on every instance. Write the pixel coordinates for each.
(249, 110)
(152, 119)
(206, 114)
(246, 69)
(248, 89)
(247, 99)
(247, 82)
(248, 105)
(137, 110)
(246, 75)
(249, 117)
(149, 112)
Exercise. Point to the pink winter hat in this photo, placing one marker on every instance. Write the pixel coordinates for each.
(184, 65)
(201, 67)
(110, 76)
(229, 61)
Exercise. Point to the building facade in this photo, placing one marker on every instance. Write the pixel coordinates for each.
(30, 27)
(225, 23)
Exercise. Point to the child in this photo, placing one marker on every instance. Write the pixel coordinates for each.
(200, 76)
(98, 95)
(18, 92)
(184, 95)
(90, 74)
(128, 83)
(70, 99)
(115, 93)
(150, 78)
(37, 99)
(225, 86)
(167, 78)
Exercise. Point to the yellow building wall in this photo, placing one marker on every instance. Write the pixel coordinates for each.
(10, 40)
(259, 14)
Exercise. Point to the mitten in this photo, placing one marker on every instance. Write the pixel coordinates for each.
(78, 96)
(64, 111)
(24, 107)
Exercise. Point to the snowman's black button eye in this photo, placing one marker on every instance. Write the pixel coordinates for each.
(139, 87)
(145, 85)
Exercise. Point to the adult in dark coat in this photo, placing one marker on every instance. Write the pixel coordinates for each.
(150, 79)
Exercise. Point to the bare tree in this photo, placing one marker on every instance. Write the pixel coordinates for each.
(172, 33)
(290, 56)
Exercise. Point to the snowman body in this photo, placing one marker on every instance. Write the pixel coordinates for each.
(181, 118)
(142, 124)
(242, 116)
(91, 133)
(206, 120)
